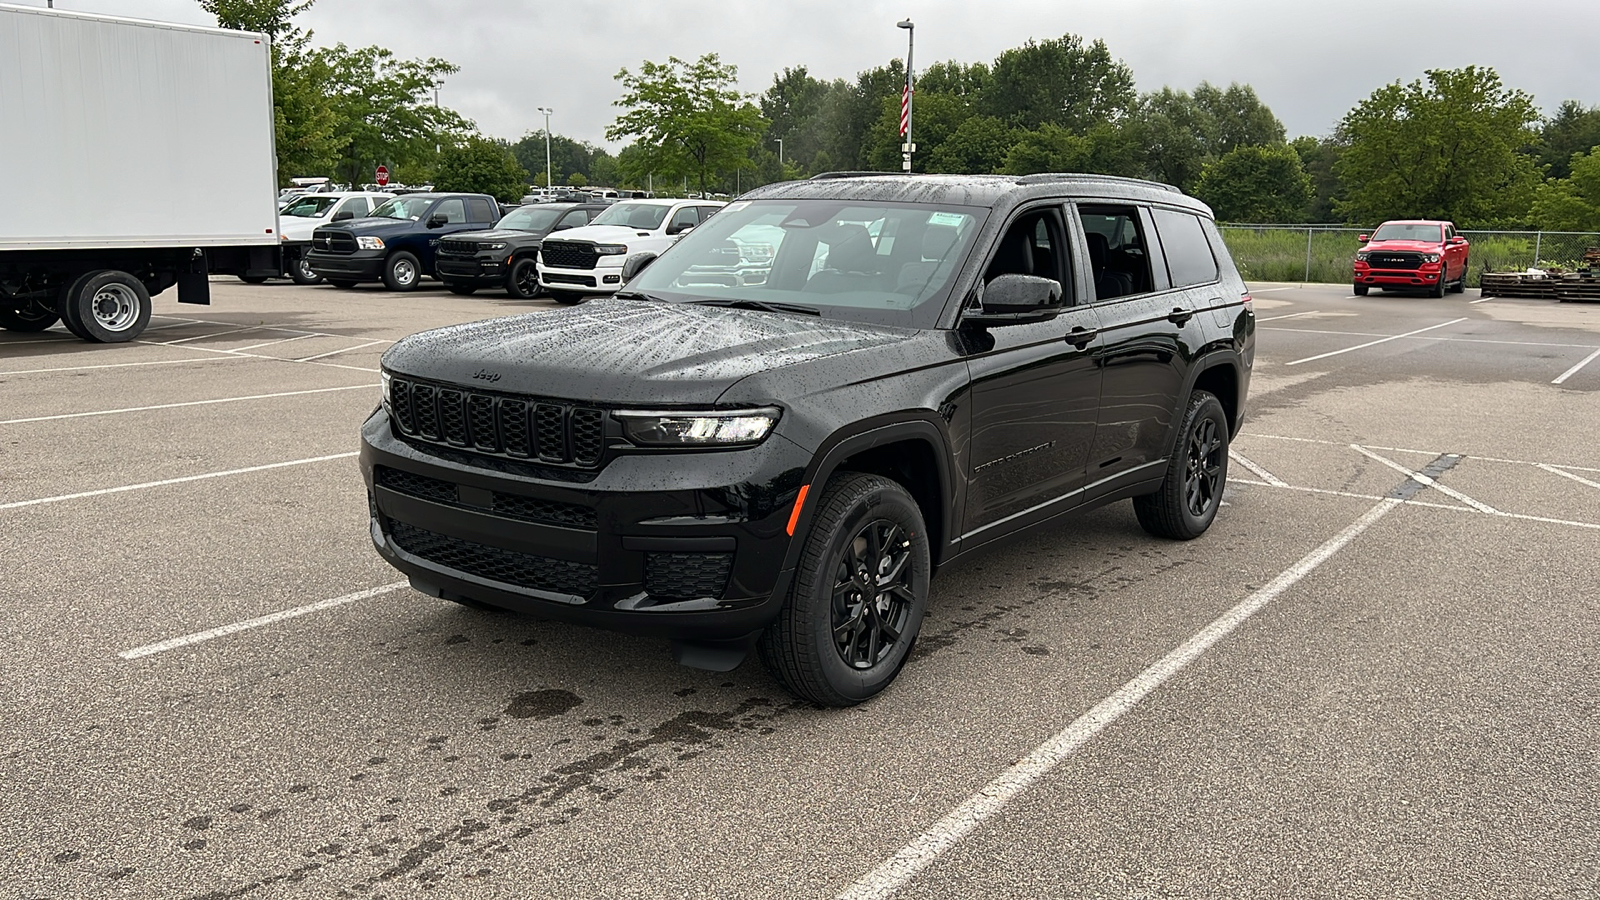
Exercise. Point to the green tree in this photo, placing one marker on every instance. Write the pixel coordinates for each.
(793, 107)
(1175, 134)
(1319, 158)
(1573, 129)
(576, 179)
(1449, 149)
(386, 111)
(1058, 82)
(1256, 184)
(978, 146)
(688, 117)
(1571, 203)
(937, 116)
(1238, 118)
(481, 165)
(1104, 150)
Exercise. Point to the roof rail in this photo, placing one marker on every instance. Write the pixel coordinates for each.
(826, 175)
(1051, 177)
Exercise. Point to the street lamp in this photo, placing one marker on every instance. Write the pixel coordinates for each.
(911, 40)
(436, 85)
(780, 155)
(547, 173)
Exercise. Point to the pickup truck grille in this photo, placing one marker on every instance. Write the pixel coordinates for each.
(516, 427)
(457, 248)
(1384, 259)
(568, 254)
(333, 241)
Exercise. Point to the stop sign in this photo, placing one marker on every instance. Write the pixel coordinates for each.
(383, 175)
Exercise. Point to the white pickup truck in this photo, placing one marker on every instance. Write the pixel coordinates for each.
(305, 215)
(587, 262)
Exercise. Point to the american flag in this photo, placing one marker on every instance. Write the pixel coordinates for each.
(905, 109)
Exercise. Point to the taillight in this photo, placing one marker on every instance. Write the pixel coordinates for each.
(1247, 301)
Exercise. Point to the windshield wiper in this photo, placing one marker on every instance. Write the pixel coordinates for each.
(761, 305)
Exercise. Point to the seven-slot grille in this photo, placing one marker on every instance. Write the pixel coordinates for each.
(544, 430)
(1384, 259)
(568, 254)
(333, 241)
(458, 248)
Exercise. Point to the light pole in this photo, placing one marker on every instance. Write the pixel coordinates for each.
(547, 173)
(911, 40)
(780, 155)
(436, 85)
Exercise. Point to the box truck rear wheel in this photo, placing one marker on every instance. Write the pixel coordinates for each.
(32, 317)
(107, 307)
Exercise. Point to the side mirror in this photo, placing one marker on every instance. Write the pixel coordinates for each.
(1363, 238)
(344, 214)
(635, 264)
(680, 228)
(438, 220)
(1457, 241)
(1013, 299)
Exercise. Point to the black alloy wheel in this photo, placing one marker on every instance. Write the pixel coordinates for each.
(1440, 286)
(1197, 472)
(859, 594)
(522, 282)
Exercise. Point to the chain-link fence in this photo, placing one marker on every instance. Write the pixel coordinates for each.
(1324, 253)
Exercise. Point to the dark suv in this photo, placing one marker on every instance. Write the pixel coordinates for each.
(929, 364)
(395, 243)
(506, 255)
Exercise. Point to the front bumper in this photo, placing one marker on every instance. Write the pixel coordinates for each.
(1427, 276)
(362, 265)
(482, 271)
(687, 546)
(602, 279)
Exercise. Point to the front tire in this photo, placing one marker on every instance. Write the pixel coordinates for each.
(107, 307)
(341, 283)
(522, 282)
(300, 271)
(33, 317)
(567, 298)
(1360, 290)
(1460, 287)
(1442, 285)
(401, 272)
(1187, 501)
(859, 594)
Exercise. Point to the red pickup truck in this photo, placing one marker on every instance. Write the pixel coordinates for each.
(1412, 254)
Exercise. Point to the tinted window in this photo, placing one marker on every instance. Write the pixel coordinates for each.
(1118, 262)
(1035, 244)
(453, 211)
(1407, 231)
(310, 207)
(481, 210)
(1189, 258)
(687, 216)
(643, 216)
(357, 206)
(575, 219)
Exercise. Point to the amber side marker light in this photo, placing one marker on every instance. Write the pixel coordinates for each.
(799, 502)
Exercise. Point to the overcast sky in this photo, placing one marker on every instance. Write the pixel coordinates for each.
(1309, 60)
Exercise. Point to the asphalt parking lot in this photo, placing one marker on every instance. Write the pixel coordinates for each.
(1376, 676)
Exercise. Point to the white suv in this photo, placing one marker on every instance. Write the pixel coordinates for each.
(309, 212)
(587, 262)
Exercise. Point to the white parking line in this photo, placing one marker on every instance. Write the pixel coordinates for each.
(236, 353)
(1575, 369)
(161, 362)
(1556, 471)
(18, 504)
(1517, 462)
(298, 337)
(345, 350)
(1289, 316)
(196, 337)
(1375, 343)
(1430, 482)
(1270, 478)
(1546, 520)
(1479, 300)
(1435, 338)
(199, 636)
(129, 409)
(895, 872)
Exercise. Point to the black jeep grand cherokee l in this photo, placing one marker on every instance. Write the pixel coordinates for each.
(931, 363)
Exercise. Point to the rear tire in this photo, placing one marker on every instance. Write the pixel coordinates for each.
(464, 290)
(1188, 499)
(341, 283)
(401, 272)
(253, 279)
(567, 298)
(1360, 290)
(522, 282)
(859, 594)
(107, 306)
(33, 317)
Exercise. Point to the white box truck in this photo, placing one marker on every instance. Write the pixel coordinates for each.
(134, 156)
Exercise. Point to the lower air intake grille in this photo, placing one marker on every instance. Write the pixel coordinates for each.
(415, 485)
(686, 576)
(492, 563)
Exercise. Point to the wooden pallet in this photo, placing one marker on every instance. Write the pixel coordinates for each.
(1581, 288)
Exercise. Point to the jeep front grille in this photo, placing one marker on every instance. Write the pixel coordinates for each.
(545, 430)
(457, 248)
(568, 254)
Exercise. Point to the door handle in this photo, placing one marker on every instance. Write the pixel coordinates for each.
(1179, 315)
(1080, 336)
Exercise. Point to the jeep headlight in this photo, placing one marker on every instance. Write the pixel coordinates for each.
(610, 249)
(1361, 256)
(1431, 257)
(496, 245)
(369, 242)
(698, 428)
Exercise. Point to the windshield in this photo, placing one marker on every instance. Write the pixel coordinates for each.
(888, 263)
(530, 218)
(402, 208)
(644, 216)
(312, 207)
(1415, 231)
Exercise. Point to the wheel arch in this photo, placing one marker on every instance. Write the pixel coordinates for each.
(1218, 374)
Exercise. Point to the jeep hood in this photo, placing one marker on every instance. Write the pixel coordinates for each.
(629, 351)
(496, 234)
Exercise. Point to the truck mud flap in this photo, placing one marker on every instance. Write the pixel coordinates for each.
(194, 281)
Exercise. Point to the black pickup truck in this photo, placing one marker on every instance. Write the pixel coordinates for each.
(505, 256)
(396, 243)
